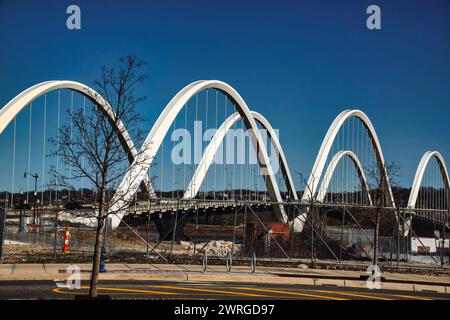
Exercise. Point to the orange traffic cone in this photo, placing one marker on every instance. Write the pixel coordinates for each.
(66, 240)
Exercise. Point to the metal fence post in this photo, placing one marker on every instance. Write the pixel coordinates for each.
(2, 230)
(148, 223)
(234, 228)
(196, 227)
(390, 251)
(398, 240)
(245, 231)
(443, 245)
(342, 235)
(407, 238)
(55, 239)
(291, 232)
(174, 230)
(313, 264)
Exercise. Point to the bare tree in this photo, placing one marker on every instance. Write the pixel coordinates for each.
(381, 195)
(93, 147)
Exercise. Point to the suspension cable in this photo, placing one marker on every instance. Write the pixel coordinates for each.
(71, 129)
(215, 144)
(57, 143)
(173, 164)
(29, 151)
(82, 157)
(185, 144)
(206, 128)
(44, 149)
(13, 164)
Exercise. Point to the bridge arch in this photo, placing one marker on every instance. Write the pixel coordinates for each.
(151, 145)
(324, 151)
(412, 200)
(327, 143)
(23, 99)
(330, 171)
(213, 146)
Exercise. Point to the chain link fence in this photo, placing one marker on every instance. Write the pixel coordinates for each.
(331, 236)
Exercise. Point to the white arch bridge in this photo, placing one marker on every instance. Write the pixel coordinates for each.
(348, 170)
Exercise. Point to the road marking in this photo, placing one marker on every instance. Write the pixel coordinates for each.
(123, 290)
(214, 291)
(352, 294)
(410, 297)
(344, 293)
(375, 295)
(291, 293)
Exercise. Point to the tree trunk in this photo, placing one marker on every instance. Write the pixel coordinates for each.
(97, 253)
(376, 238)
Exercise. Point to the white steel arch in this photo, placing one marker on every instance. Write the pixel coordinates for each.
(210, 152)
(23, 99)
(330, 170)
(420, 173)
(322, 156)
(142, 163)
(327, 143)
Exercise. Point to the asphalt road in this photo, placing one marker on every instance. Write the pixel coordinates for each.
(194, 291)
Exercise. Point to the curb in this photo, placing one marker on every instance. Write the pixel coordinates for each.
(260, 279)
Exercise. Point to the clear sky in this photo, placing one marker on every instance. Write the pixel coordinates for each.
(300, 63)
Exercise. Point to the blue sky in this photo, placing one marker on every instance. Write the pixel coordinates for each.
(300, 63)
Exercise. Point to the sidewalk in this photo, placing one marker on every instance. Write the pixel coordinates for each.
(215, 273)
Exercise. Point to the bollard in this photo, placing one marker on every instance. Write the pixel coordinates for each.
(253, 263)
(205, 261)
(102, 260)
(229, 261)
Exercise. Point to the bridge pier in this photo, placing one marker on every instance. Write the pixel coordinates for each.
(165, 223)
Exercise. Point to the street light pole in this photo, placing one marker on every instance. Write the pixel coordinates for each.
(35, 176)
(21, 212)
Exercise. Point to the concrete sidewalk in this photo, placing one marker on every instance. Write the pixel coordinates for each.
(214, 273)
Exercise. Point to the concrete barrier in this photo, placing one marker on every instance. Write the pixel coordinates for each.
(397, 286)
(427, 288)
(330, 282)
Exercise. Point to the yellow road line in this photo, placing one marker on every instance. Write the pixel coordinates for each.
(291, 293)
(410, 297)
(344, 293)
(122, 290)
(214, 291)
(375, 295)
(352, 294)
